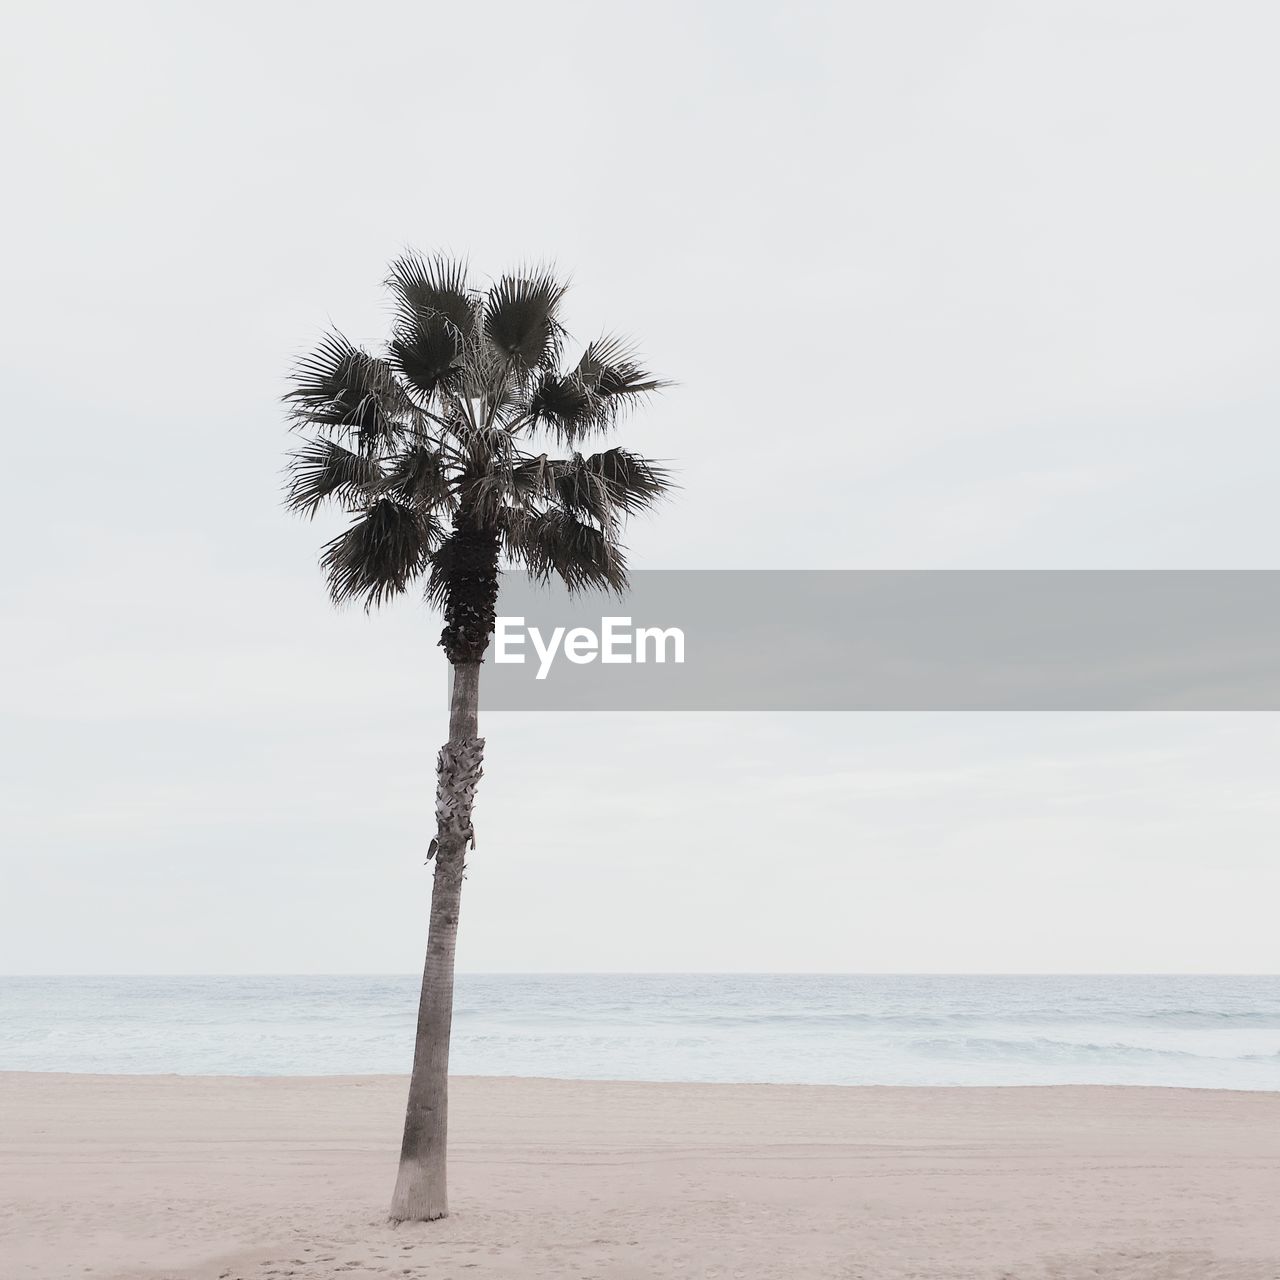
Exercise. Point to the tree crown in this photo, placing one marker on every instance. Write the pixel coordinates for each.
(438, 446)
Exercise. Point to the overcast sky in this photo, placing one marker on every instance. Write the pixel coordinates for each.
(980, 285)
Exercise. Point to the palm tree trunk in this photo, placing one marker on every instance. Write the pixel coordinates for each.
(421, 1191)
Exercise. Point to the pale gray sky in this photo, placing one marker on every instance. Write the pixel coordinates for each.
(962, 285)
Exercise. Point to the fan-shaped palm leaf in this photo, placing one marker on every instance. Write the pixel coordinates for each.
(610, 368)
(418, 476)
(556, 543)
(380, 554)
(427, 353)
(633, 483)
(564, 405)
(582, 491)
(436, 315)
(520, 318)
(434, 286)
(323, 469)
(341, 388)
(524, 484)
(609, 485)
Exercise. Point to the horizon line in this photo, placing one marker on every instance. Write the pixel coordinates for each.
(679, 973)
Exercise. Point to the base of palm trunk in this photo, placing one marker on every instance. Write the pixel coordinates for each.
(420, 1194)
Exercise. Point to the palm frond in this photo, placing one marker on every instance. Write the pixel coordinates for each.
(608, 485)
(519, 482)
(343, 389)
(427, 352)
(433, 286)
(485, 474)
(520, 318)
(322, 469)
(436, 315)
(582, 491)
(418, 476)
(533, 479)
(610, 368)
(589, 399)
(632, 482)
(380, 554)
(564, 405)
(512, 525)
(556, 543)
(487, 374)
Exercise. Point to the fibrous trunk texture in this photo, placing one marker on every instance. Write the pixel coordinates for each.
(470, 560)
(421, 1189)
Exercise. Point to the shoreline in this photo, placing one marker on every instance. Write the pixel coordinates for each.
(402, 1079)
(128, 1177)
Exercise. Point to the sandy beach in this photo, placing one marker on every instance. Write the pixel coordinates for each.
(194, 1178)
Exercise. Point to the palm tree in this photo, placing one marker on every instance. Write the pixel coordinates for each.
(433, 448)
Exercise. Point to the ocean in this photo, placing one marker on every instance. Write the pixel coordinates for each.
(1196, 1032)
